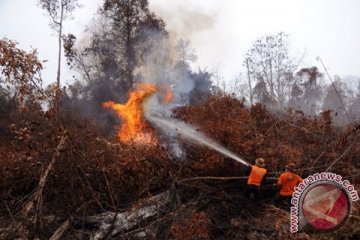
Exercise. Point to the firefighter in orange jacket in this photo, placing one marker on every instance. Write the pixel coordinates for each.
(287, 182)
(256, 177)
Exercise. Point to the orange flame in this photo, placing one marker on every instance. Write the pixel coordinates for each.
(134, 128)
(167, 95)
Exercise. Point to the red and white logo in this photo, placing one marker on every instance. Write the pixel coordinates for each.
(325, 206)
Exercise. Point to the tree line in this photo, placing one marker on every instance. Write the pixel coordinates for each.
(124, 39)
(278, 81)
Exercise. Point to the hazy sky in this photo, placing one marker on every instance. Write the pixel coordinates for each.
(221, 31)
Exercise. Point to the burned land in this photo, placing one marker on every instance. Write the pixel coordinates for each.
(94, 175)
(139, 145)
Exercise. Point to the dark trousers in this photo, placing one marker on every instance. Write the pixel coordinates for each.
(252, 189)
(282, 201)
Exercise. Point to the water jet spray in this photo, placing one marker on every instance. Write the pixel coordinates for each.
(189, 133)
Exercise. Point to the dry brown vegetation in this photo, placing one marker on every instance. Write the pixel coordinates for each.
(94, 174)
(61, 177)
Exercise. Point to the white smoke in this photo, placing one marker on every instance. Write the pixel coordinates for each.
(165, 66)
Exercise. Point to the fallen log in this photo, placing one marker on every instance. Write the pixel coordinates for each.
(67, 224)
(37, 198)
(112, 223)
(63, 228)
(220, 178)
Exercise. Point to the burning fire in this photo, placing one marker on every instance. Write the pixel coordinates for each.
(134, 127)
(167, 94)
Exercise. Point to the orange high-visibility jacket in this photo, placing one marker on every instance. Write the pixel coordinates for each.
(288, 181)
(256, 176)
